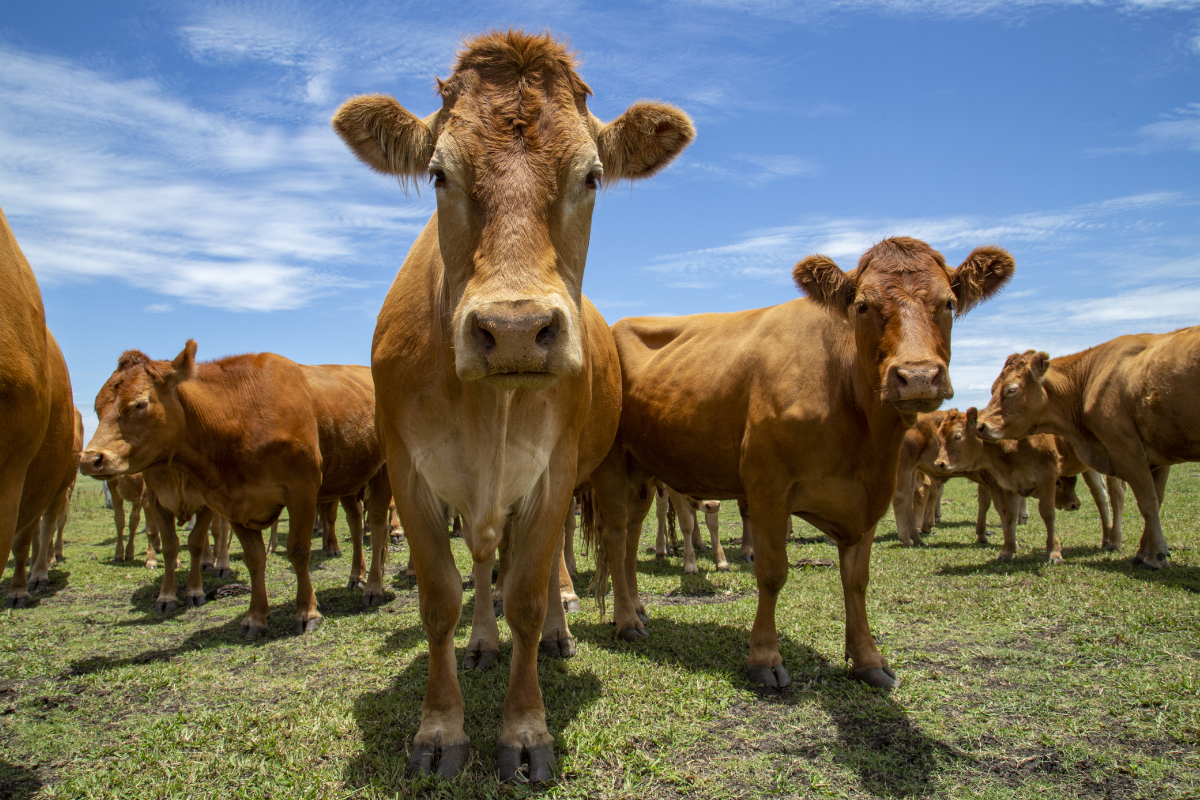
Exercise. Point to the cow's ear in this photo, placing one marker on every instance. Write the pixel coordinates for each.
(385, 136)
(643, 140)
(983, 274)
(972, 418)
(824, 282)
(1039, 364)
(183, 366)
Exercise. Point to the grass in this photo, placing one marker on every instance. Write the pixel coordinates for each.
(1020, 680)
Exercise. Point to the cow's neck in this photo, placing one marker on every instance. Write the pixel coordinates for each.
(202, 442)
(1064, 384)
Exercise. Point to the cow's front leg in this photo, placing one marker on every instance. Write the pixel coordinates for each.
(662, 548)
(933, 506)
(159, 517)
(904, 508)
(1116, 496)
(354, 521)
(254, 554)
(713, 520)
(135, 519)
(569, 543)
(193, 596)
(747, 551)
(867, 663)
(687, 528)
(764, 665)
(118, 510)
(301, 515)
(378, 514)
(1152, 552)
(1095, 485)
(441, 745)
(531, 581)
(43, 542)
(556, 639)
(984, 502)
(1046, 510)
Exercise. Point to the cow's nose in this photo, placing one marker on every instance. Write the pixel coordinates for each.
(940, 464)
(91, 461)
(515, 338)
(918, 381)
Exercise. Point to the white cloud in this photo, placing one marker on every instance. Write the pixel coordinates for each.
(111, 177)
(1180, 130)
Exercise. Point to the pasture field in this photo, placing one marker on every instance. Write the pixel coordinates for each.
(1019, 680)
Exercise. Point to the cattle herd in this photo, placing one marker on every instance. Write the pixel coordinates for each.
(498, 394)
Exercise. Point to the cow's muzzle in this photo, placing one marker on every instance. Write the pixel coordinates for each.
(917, 387)
(522, 344)
(99, 464)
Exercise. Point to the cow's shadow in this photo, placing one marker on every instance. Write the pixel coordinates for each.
(18, 782)
(58, 582)
(876, 736)
(388, 720)
(1177, 576)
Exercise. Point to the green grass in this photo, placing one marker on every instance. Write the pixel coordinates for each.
(1019, 680)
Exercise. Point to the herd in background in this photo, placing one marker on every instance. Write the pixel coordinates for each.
(499, 401)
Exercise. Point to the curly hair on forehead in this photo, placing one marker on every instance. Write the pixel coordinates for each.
(901, 248)
(136, 358)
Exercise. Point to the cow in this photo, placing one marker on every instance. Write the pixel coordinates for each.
(36, 405)
(254, 433)
(497, 381)
(687, 509)
(131, 489)
(1125, 405)
(804, 405)
(39, 537)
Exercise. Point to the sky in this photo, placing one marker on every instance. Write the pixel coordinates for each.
(169, 170)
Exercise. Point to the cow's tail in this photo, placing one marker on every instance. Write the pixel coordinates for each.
(593, 540)
(671, 525)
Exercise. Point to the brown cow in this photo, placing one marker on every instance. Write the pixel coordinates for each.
(687, 509)
(1126, 406)
(39, 537)
(807, 416)
(498, 383)
(172, 497)
(36, 408)
(254, 433)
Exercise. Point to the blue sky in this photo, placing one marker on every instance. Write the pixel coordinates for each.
(170, 172)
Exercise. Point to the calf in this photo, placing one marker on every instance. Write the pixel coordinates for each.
(1126, 406)
(687, 509)
(807, 414)
(254, 433)
(130, 489)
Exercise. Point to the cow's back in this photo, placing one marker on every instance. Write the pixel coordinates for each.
(702, 382)
(343, 399)
(1152, 379)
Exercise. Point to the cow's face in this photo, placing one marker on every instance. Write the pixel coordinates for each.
(140, 416)
(516, 161)
(710, 506)
(1019, 397)
(1065, 498)
(959, 449)
(902, 301)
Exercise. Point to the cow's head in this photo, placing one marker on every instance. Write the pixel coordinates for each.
(1019, 397)
(902, 300)
(710, 506)
(140, 416)
(1065, 498)
(959, 449)
(516, 161)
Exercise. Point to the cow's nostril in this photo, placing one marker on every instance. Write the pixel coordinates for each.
(547, 335)
(485, 339)
(98, 460)
(902, 376)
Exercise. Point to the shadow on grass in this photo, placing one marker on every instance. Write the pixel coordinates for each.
(58, 582)
(876, 737)
(17, 782)
(1176, 576)
(388, 721)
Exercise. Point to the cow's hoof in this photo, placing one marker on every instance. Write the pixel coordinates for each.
(558, 648)
(572, 606)
(632, 634)
(1055, 559)
(748, 558)
(251, 631)
(775, 677)
(660, 556)
(149, 564)
(690, 570)
(17, 601)
(542, 764)
(355, 583)
(224, 572)
(38, 584)
(498, 607)
(450, 760)
(723, 567)
(1004, 557)
(480, 659)
(166, 606)
(879, 677)
(1110, 547)
(372, 598)
(332, 553)
(194, 601)
(1147, 564)
(206, 567)
(469, 584)
(307, 625)
(642, 616)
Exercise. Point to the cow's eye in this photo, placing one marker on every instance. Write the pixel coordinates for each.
(950, 306)
(439, 177)
(594, 178)
(140, 405)
(863, 307)
(958, 437)
(1010, 390)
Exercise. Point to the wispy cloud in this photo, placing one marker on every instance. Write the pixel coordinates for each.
(110, 177)
(1179, 130)
(781, 9)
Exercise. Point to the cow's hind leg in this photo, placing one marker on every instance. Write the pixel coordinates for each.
(483, 648)
(713, 520)
(379, 512)
(118, 510)
(164, 521)
(747, 552)
(354, 521)
(18, 585)
(135, 519)
(1095, 484)
(193, 596)
(254, 624)
(43, 543)
(867, 663)
(557, 640)
(1116, 496)
(301, 513)
(984, 500)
